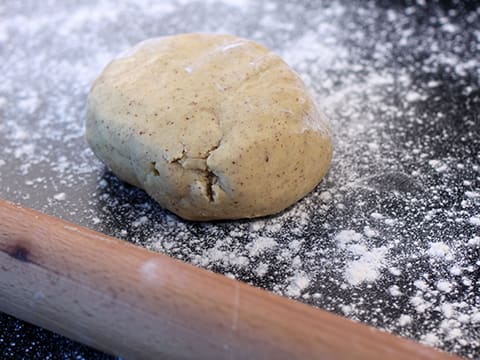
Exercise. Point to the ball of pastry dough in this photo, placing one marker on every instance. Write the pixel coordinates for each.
(211, 126)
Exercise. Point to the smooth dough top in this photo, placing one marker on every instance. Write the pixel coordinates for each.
(211, 126)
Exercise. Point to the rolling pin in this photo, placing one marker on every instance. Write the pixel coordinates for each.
(137, 304)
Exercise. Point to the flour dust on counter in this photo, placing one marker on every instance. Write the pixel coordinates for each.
(390, 238)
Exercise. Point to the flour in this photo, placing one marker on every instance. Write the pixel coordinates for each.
(444, 285)
(438, 165)
(389, 238)
(345, 237)
(140, 221)
(440, 250)
(456, 270)
(472, 194)
(364, 264)
(261, 244)
(148, 270)
(394, 271)
(60, 196)
(475, 220)
(474, 242)
(404, 320)
(414, 96)
(297, 284)
(394, 290)
(367, 267)
(420, 284)
(261, 269)
(419, 303)
(430, 339)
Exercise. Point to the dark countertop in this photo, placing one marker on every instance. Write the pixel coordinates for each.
(391, 237)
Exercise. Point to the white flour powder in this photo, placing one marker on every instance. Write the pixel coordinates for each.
(392, 235)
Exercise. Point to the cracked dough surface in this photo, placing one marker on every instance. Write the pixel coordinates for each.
(211, 126)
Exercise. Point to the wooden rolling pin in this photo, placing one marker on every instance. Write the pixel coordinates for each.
(138, 304)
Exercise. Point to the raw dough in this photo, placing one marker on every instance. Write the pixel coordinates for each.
(211, 126)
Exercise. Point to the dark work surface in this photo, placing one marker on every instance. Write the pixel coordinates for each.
(391, 237)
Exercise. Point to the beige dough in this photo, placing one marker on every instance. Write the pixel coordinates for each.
(211, 126)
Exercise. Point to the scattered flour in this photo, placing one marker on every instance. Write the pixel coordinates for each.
(395, 290)
(438, 165)
(261, 269)
(390, 238)
(420, 284)
(363, 263)
(430, 339)
(261, 244)
(413, 96)
(440, 250)
(475, 220)
(140, 221)
(474, 242)
(60, 196)
(444, 285)
(345, 237)
(297, 283)
(404, 320)
(472, 194)
(367, 267)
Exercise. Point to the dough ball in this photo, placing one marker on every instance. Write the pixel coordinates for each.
(211, 126)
